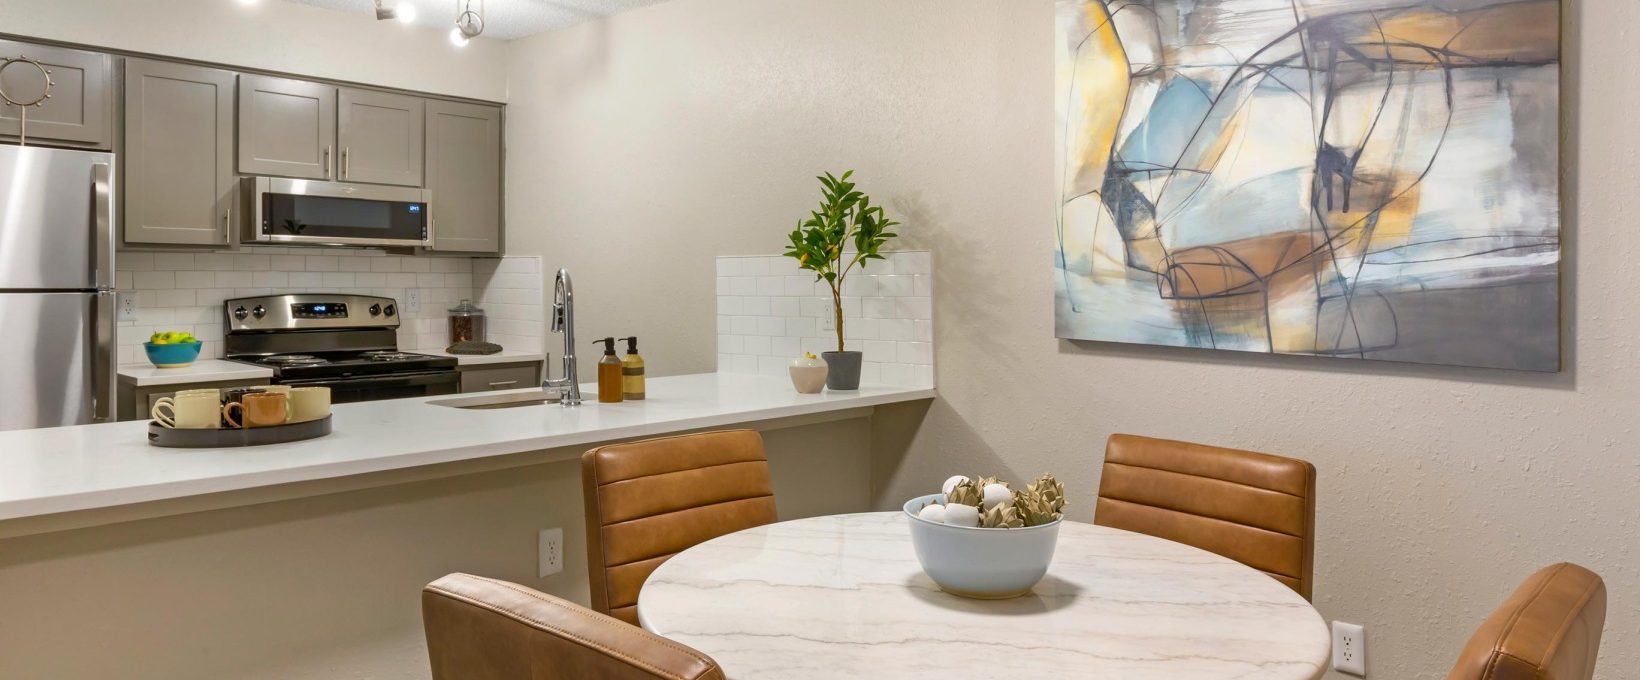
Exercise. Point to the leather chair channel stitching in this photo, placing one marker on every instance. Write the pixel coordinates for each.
(1549, 629)
(647, 501)
(483, 629)
(1255, 508)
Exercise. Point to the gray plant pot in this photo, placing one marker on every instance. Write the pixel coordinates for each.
(842, 370)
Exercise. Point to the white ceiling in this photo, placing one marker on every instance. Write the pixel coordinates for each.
(503, 19)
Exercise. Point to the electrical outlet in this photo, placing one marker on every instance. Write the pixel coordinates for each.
(1349, 649)
(128, 306)
(412, 301)
(550, 552)
(828, 322)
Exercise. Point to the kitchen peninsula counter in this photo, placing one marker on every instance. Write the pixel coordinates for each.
(51, 471)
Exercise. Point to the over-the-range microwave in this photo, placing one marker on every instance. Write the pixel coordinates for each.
(308, 212)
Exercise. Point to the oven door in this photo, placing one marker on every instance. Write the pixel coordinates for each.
(333, 213)
(379, 387)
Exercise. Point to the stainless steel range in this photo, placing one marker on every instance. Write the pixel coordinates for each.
(348, 343)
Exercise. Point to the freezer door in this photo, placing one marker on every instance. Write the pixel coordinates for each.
(58, 367)
(56, 219)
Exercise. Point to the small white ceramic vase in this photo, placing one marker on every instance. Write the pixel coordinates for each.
(808, 374)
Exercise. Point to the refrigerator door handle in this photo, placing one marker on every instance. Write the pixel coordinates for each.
(103, 351)
(102, 222)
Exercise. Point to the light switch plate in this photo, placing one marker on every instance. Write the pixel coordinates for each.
(1349, 649)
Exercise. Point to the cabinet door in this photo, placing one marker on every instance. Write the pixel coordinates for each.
(464, 176)
(179, 178)
(504, 377)
(286, 127)
(381, 137)
(80, 110)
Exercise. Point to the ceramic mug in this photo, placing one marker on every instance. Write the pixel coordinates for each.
(188, 410)
(309, 403)
(257, 409)
(233, 394)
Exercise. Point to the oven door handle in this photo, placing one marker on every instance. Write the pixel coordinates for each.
(397, 380)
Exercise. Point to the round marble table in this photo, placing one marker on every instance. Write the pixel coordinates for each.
(843, 597)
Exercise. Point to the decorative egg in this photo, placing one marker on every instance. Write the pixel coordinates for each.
(953, 481)
(934, 512)
(960, 515)
(998, 494)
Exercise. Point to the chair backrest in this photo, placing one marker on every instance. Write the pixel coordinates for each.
(482, 629)
(649, 500)
(1254, 508)
(1548, 630)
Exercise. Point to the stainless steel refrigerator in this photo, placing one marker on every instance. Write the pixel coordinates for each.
(57, 300)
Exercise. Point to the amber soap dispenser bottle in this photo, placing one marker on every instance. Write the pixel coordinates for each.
(632, 372)
(609, 374)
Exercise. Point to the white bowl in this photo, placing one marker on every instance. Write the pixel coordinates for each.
(986, 564)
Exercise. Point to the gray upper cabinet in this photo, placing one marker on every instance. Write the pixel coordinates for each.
(380, 135)
(178, 166)
(80, 111)
(464, 175)
(287, 128)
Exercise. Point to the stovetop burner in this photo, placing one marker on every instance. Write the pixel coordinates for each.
(295, 360)
(384, 355)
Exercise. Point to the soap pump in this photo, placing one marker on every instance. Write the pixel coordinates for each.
(609, 373)
(632, 387)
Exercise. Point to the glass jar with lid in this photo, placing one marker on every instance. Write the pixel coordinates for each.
(466, 323)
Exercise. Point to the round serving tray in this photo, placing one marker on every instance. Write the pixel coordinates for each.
(227, 438)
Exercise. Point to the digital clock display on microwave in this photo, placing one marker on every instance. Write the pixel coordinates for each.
(319, 310)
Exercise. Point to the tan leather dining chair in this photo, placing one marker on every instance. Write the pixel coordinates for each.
(647, 501)
(1548, 630)
(483, 629)
(1254, 508)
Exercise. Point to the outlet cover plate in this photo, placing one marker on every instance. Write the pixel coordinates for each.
(412, 301)
(1349, 649)
(128, 305)
(550, 552)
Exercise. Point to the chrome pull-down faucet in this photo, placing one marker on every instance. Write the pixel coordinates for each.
(563, 321)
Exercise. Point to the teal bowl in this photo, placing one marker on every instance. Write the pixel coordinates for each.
(172, 356)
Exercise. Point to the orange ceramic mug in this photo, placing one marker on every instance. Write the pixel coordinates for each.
(257, 409)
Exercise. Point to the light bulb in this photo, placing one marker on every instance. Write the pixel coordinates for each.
(405, 12)
(457, 39)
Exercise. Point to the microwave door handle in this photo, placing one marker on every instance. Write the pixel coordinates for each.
(102, 223)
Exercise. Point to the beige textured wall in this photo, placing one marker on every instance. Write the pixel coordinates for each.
(690, 129)
(326, 586)
(272, 35)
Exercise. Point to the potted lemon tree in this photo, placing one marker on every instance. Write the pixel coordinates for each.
(844, 233)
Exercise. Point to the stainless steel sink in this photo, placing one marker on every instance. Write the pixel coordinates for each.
(498, 401)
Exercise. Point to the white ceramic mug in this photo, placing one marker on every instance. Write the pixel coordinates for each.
(309, 403)
(189, 410)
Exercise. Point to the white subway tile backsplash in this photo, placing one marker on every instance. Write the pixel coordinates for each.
(770, 312)
(185, 291)
(153, 280)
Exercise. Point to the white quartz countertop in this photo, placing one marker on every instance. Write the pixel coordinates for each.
(204, 370)
(64, 469)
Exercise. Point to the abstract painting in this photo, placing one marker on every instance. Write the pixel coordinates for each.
(1366, 179)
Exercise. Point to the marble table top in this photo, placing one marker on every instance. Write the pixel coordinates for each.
(844, 597)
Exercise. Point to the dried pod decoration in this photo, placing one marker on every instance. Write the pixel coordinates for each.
(1043, 502)
(1001, 517)
(965, 492)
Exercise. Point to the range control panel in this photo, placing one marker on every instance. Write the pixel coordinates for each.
(319, 310)
(310, 311)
